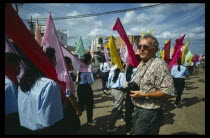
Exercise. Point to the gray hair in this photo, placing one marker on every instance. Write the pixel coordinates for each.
(154, 40)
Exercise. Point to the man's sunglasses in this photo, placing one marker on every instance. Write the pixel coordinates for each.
(144, 46)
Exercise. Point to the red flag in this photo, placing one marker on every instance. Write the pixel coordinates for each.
(19, 33)
(195, 59)
(167, 52)
(177, 52)
(132, 57)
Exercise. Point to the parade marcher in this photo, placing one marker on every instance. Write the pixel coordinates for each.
(84, 90)
(11, 95)
(116, 82)
(70, 113)
(179, 73)
(39, 101)
(129, 107)
(104, 69)
(155, 87)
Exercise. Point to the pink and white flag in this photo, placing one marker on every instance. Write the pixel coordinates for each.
(92, 47)
(106, 54)
(76, 62)
(51, 39)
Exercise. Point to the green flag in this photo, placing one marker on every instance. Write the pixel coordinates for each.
(80, 50)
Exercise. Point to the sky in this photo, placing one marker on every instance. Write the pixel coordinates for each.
(167, 21)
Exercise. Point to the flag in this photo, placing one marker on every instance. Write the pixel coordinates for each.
(176, 55)
(158, 54)
(115, 58)
(132, 57)
(27, 43)
(195, 59)
(200, 57)
(135, 46)
(106, 54)
(188, 56)
(10, 48)
(122, 54)
(51, 39)
(80, 47)
(76, 63)
(142, 34)
(185, 52)
(150, 31)
(92, 47)
(167, 51)
(38, 34)
(162, 54)
(190, 60)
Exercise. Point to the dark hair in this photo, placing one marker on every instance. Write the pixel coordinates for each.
(12, 58)
(179, 63)
(129, 72)
(116, 74)
(87, 58)
(103, 60)
(31, 75)
(68, 60)
(50, 52)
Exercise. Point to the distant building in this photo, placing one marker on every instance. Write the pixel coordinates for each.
(119, 41)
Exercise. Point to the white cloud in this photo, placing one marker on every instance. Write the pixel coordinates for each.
(198, 30)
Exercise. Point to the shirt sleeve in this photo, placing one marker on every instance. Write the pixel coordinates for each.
(51, 110)
(186, 73)
(164, 80)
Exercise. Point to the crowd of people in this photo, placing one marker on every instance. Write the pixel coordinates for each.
(34, 105)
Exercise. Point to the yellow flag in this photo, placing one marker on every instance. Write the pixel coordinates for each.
(162, 54)
(38, 34)
(190, 60)
(150, 31)
(142, 33)
(185, 52)
(115, 58)
(166, 41)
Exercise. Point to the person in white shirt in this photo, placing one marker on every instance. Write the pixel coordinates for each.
(104, 69)
(11, 95)
(39, 101)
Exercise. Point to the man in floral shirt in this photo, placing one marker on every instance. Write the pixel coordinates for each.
(156, 86)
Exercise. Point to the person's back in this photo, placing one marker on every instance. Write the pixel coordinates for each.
(41, 106)
(179, 74)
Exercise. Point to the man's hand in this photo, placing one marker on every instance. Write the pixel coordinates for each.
(79, 112)
(137, 94)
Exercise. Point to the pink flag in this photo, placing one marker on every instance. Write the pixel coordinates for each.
(38, 34)
(122, 53)
(126, 56)
(106, 54)
(200, 57)
(51, 39)
(135, 46)
(10, 48)
(27, 43)
(132, 57)
(77, 63)
(177, 54)
(92, 47)
(167, 52)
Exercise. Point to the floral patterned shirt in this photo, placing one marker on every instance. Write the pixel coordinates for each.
(153, 75)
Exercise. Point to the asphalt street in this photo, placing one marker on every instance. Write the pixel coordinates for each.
(189, 119)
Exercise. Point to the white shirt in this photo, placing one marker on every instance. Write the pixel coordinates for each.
(11, 97)
(41, 106)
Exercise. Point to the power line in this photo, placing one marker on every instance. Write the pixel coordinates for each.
(104, 13)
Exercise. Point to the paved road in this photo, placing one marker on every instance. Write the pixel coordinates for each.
(187, 120)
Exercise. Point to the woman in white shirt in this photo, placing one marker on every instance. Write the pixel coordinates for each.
(39, 101)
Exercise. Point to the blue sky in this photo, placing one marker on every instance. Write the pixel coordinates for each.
(167, 21)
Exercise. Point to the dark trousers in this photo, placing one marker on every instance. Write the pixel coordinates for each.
(12, 124)
(104, 79)
(85, 99)
(129, 108)
(118, 98)
(179, 87)
(147, 121)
